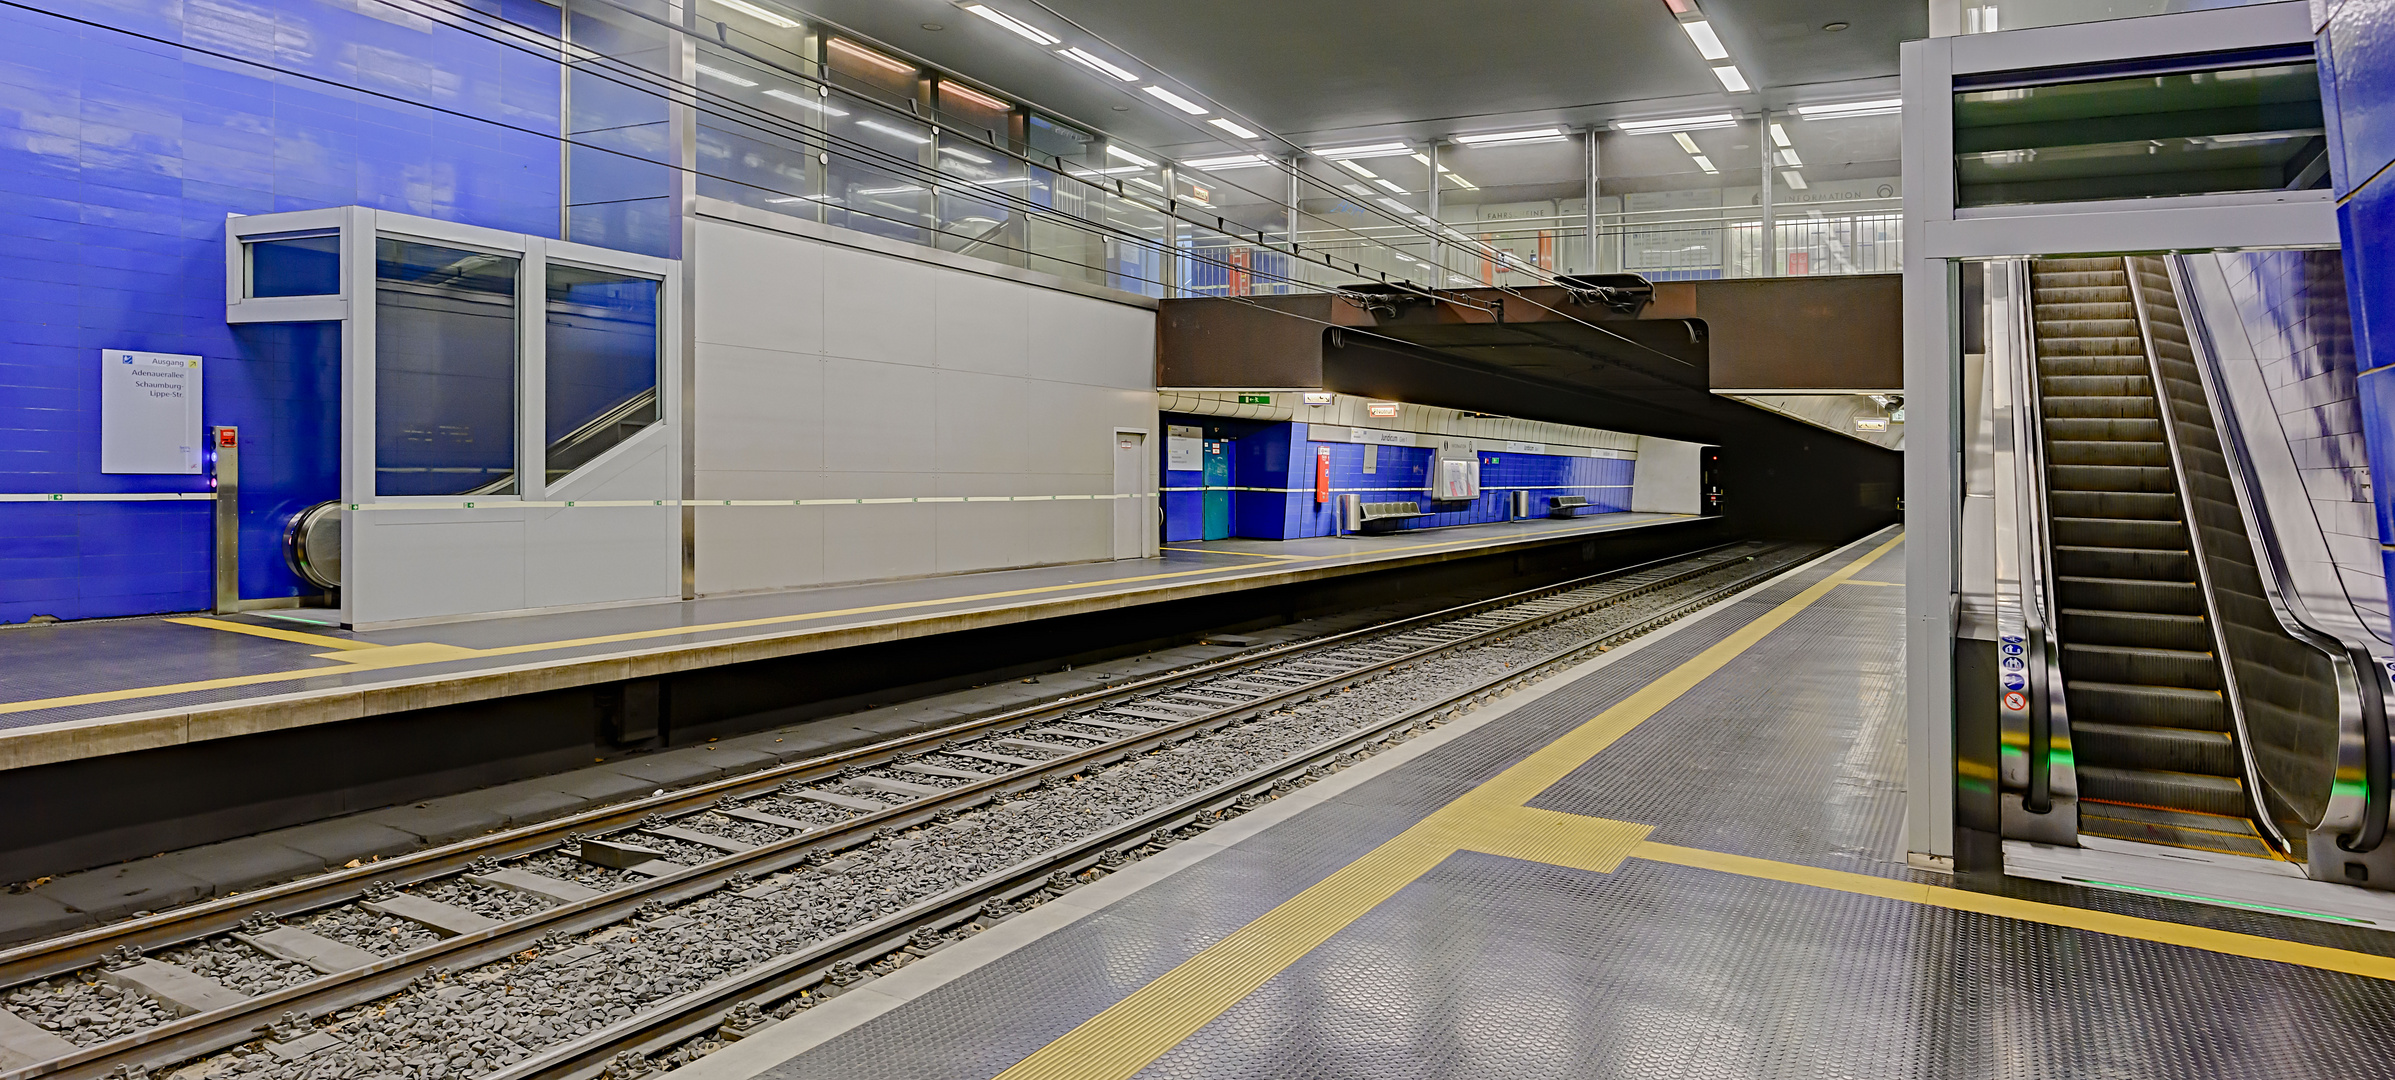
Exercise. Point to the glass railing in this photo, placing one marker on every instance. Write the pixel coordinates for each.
(778, 132)
(1985, 18)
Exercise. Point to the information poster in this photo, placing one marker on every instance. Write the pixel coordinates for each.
(1182, 448)
(149, 412)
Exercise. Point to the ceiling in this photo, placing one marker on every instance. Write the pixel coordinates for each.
(1326, 71)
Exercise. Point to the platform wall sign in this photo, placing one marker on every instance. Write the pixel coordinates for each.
(149, 412)
(1181, 447)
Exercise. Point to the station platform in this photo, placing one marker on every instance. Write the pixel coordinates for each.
(73, 691)
(1682, 859)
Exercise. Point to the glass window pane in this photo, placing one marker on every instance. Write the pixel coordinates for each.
(298, 266)
(602, 368)
(2253, 128)
(444, 370)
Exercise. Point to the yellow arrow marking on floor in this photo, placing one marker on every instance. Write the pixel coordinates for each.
(322, 641)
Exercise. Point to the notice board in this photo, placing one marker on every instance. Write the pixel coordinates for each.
(149, 412)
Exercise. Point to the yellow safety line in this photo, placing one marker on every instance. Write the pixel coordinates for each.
(1135, 1031)
(318, 640)
(450, 653)
(2101, 922)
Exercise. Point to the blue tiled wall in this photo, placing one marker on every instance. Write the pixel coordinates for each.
(121, 152)
(2357, 74)
(1273, 467)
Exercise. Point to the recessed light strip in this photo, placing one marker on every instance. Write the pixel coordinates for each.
(1013, 25)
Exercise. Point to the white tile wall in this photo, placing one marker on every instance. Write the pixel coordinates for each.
(826, 371)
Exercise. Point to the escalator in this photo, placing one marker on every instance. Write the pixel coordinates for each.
(2156, 750)
(2180, 671)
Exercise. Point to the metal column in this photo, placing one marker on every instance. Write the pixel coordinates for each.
(1767, 248)
(225, 477)
(1438, 246)
(1592, 161)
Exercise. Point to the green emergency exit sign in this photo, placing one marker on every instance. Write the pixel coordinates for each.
(1255, 399)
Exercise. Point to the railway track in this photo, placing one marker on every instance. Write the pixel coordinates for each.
(594, 944)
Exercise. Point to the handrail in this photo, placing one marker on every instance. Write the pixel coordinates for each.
(2358, 674)
(2203, 569)
(2039, 611)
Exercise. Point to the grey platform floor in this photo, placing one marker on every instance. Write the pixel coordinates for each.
(1821, 955)
(76, 690)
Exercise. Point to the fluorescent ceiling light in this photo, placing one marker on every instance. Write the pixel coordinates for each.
(1394, 205)
(1094, 62)
(1507, 138)
(1147, 183)
(1359, 170)
(1788, 157)
(1357, 189)
(807, 102)
(1677, 123)
(755, 12)
(900, 133)
(1233, 128)
(1233, 161)
(899, 190)
(1004, 180)
(1705, 163)
(968, 155)
(1731, 80)
(951, 89)
(1460, 182)
(726, 76)
(1390, 186)
(1014, 25)
(1367, 150)
(1174, 100)
(1795, 179)
(1116, 171)
(1779, 136)
(1116, 151)
(1686, 143)
(1708, 43)
(869, 56)
(1878, 107)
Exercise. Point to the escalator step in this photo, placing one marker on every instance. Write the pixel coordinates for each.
(2097, 408)
(2201, 832)
(2109, 478)
(2120, 532)
(2147, 706)
(2157, 564)
(2167, 790)
(2096, 386)
(2174, 749)
(2112, 452)
(2130, 594)
(2135, 628)
(2141, 666)
(2103, 429)
(2135, 505)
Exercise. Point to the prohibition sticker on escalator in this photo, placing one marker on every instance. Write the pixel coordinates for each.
(2016, 701)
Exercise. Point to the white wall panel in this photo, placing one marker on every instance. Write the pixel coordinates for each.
(920, 381)
(876, 307)
(981, 324)
(764, 410)
(427, 564)
(1077, 339)
(875, 416)
(760, 291)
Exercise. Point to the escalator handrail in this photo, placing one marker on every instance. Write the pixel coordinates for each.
(2230, 693)
(2039, 606)
(2359, 699)
(570, 439)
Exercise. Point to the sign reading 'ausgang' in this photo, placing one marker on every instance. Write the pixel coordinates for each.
(149, 412)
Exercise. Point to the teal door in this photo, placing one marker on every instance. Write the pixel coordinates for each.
(1218, 489)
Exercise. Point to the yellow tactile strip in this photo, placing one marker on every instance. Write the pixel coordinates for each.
(1141, 1027)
